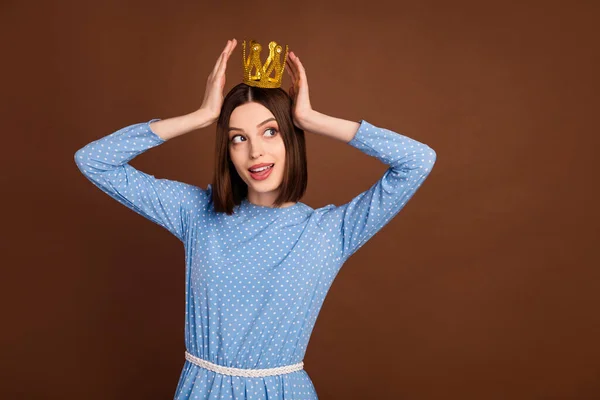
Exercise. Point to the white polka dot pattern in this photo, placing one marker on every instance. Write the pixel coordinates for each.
(105, 163)
(410, 162)
(255, 281)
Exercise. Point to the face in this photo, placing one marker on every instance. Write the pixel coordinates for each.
(254, 138)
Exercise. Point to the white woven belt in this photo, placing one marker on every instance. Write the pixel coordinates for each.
(241, 371)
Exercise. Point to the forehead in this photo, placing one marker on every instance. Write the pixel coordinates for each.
(248, 115)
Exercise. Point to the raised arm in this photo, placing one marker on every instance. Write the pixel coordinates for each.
(410, 162)
(105, 162)
(352, 224)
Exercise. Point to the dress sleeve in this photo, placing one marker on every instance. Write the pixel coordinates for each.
(105, 162)
(410, 162)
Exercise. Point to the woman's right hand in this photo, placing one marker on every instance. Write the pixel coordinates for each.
(213, 96)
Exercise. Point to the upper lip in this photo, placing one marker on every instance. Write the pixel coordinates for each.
(260, 165)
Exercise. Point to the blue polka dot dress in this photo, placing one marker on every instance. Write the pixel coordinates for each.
(255, 281)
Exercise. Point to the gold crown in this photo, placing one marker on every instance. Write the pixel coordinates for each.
(261, 78)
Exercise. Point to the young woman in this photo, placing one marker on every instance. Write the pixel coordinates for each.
(259, 263)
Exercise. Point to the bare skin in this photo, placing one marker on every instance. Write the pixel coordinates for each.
(254, 145)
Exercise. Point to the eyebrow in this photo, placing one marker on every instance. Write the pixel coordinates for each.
(258, 126)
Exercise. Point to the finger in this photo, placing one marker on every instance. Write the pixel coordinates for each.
(301, 70)
(292, 70)
(218, 64)
(228, 49)
(289, 69)
(224, 62)
(295, 67)
(303, 86)
(223, 55)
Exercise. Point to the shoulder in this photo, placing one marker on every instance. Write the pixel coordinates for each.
(328, 217)
(190, 191)
(192, 198)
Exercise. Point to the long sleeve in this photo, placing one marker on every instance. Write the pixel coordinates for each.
(105, 162)
(410, 162)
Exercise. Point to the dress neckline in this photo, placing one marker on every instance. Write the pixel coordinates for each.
(251, 206)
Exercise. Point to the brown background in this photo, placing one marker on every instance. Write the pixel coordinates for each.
(485, 286)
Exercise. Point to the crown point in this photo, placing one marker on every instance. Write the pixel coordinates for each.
(259, 75)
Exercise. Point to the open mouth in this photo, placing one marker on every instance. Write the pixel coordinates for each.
(262, 173)
(261, 169)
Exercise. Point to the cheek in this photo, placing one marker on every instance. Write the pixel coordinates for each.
(280, 150)
(281, 156)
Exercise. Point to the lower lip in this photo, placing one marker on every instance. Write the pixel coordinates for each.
(259, 176)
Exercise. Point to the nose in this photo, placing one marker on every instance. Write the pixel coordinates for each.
(256, 149)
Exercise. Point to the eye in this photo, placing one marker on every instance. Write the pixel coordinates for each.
(272, 129)
(268, 129)
(233, 138)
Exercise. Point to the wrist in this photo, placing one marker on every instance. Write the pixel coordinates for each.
(203, 118)
(326, 125)
(310, 120)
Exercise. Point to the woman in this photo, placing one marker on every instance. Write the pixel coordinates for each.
(259, 263)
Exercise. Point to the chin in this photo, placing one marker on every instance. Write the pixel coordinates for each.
(264, 186)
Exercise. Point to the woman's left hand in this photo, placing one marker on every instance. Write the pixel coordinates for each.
(301, 108)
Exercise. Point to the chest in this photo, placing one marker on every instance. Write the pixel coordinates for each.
(274, 255)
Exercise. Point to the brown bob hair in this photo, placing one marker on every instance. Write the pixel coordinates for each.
(228, 188)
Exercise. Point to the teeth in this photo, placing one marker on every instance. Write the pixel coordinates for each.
(261, 169)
